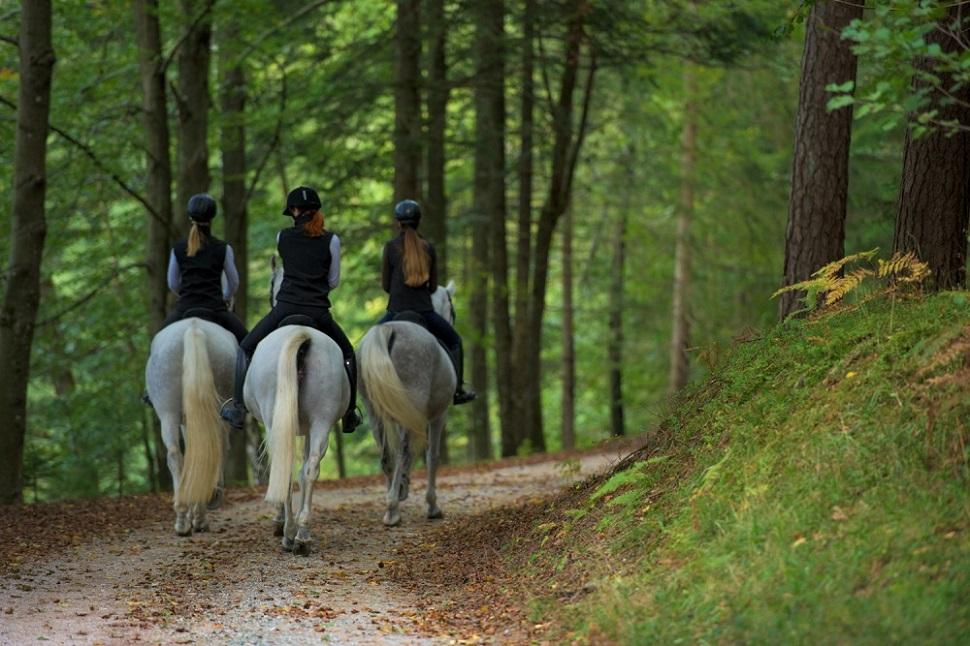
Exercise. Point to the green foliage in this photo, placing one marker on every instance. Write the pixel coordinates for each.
(815, 490)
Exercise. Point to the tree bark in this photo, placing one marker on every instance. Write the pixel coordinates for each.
(192, 99)
(159, 183)
(521, 356)
(820, 171)
(233, 142)
(680, 326)
(435, 206)
(21, 298)
(934, 197)
(479, 443)
(489, 190)
(407, 102)
(568, 403)
(615, 344)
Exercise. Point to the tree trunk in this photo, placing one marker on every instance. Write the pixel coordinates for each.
(436, 205)
(521, 356)
(564, 154)
(615, 344)
(568, 404)
(820, 171)
(233, 142)
(479, 443)
(21, 298)
(159, 184)
(934, 196)
(407, 102)
(489, 197)
(680, 326)
(192, 99)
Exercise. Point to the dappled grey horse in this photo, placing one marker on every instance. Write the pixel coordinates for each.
(407, 380)
(290, 403)
(189, 373)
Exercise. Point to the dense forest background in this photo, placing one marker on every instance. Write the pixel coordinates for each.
(646, 147)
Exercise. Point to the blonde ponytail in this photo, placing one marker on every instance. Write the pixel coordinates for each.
(417, 260)
(195, 240)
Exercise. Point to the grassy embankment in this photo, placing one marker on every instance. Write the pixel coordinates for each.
(815, 490)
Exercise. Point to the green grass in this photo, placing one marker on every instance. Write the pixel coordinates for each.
(815, 491)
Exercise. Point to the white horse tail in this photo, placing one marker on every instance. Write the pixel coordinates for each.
(386, 393)
(286, 419)
(203, 428)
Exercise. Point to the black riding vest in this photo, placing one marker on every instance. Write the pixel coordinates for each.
(306, 268)
(404, 298)
(201, 275)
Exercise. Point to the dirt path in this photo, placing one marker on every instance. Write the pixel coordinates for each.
(235, 585)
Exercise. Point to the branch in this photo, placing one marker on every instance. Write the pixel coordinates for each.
(10, 39)
(545, 74)
(87, 297)
(274, 142)
(188, 32)
(583, 119)
(316, 4)
(103, 167)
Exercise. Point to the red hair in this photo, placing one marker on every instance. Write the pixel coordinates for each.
(315, 226)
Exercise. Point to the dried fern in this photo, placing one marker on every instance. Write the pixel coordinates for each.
(904, 268)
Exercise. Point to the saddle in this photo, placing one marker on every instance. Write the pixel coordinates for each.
(409, 316)
(203, 313)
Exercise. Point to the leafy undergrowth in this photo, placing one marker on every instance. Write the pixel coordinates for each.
(815, 490)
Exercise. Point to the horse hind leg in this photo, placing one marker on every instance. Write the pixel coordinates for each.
(200, 521)
(170, 437)
(316, 447)
(289, 523)
(434, 448)
(393, 516)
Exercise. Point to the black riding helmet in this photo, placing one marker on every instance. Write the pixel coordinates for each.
(302, 197)
(201, 208)
(408, 212)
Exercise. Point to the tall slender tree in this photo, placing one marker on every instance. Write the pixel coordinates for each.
(934, 195)
(614, 348)
(407, 101)
(820, 171)
(158, 164)
(21, 297)
(192, 99)
(438, 91)
(568, 402)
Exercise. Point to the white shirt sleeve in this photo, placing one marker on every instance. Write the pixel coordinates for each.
(232, 276)
(334, 277)
(174, 273)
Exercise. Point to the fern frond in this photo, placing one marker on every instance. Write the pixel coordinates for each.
(832, 269)
(845, 284)
(904, 268)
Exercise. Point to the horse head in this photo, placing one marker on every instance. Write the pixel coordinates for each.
(443, 303)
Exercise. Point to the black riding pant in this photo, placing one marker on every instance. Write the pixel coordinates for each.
(436, 324)
(322, 320)
(224, 318)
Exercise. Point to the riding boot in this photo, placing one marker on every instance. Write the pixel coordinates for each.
(234, 409)
(462, 396)
(351, 419)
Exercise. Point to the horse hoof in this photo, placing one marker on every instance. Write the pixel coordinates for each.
(216, 500)
(287, 543)
(301, 548)
(277, 529)
(392, 520)
(435, 514)
(201, 528)
(183, 532)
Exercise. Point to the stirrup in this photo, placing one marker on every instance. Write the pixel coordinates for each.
(234, 413)
(463, 396)
(146, 400)
(351, 420)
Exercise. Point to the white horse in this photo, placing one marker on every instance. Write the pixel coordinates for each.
(408, 380)
(189, 372)
(290, 403)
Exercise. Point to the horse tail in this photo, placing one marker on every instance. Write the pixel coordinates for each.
(388, 396)
(286, 418)
(203, 427)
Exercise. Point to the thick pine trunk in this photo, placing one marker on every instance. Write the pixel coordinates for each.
(680, 326)
(820, 171)
(615, 344)
(480, 445)
(568, 338)
(192, 99)
(21, 298)
(489, 194)
(934, 196)
(159, 183)
(521, 357)
(407, 101)
(233, 143)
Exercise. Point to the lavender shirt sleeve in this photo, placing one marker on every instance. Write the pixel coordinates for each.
(174, 273)
(232, 276)
(334, 277)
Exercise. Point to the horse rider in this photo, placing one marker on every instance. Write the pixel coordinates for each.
(195, 269)
(311, 270)
(409, 275)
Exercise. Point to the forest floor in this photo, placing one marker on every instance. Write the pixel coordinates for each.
(114, 572)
